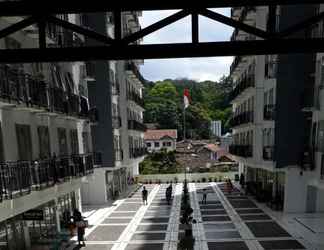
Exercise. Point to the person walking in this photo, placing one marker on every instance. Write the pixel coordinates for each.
(229, 186)
(80, 224)
(204, 199)
(168, 194)
(144, 195)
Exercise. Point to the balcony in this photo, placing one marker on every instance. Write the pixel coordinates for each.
(19, 89)
(119, 155)
(269, 112)
(116, 122)
(268, 153)
(244, 151)
(133, 73)
(244, 84)
(243, 118)
(135, 125)
(135, 97)
(22, 177)
(137, 152)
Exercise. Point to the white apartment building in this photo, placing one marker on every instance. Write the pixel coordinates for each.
(216, 128)
(45, 141)
(161, 139)
(118, 138)
(273, 136)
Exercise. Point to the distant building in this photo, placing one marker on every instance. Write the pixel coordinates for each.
(216, 128)
(157, 139)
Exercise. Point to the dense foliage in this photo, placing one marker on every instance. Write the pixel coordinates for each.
(209, 101)
(159, 163)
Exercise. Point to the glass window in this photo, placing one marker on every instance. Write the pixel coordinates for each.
(24, 142)
(44, 142)
(148, 144)
(169, 144)
(74, 141)
(63, 146)
(157, 144)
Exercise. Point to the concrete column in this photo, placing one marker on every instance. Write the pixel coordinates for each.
(27, 236)
(57, 216)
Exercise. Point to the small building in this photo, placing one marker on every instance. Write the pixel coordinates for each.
(157, 139)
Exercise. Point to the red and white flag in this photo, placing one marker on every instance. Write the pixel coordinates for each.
(186, 98)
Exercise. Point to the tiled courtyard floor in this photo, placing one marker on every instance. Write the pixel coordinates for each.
(228, 221)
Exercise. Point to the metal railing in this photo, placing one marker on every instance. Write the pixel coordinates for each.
(241, 150)
(136, 125)
(131, 66)
(243, 118)
(245, 83)
(269, 112)
(22, 177)
(134, 96)
(137, 152)
(17, 87)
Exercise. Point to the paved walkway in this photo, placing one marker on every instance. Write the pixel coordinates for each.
(228, 222)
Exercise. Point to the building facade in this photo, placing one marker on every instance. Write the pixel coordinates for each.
(45, 141)
(118, 140)
(160, 139)
(274, 122)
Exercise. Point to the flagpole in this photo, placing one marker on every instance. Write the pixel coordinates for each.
(184, 123)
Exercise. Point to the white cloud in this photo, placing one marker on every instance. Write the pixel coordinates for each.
(194, 68)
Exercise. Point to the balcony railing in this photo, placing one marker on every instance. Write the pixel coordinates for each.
(137, 152)
(247, 82)
(243, 118)
(245, 10)
(135, 125)
(241, 150)
(17, 87)
(133, 96)
(119, 155)
(269, 112)
(131, 66)
(235, 63)
(115, 88)
(268, 153)
(22, 177)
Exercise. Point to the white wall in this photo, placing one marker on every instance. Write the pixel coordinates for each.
(93, 189)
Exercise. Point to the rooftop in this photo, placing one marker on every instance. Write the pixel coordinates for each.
(157, 134)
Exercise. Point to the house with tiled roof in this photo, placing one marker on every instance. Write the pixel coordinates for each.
(158, 139)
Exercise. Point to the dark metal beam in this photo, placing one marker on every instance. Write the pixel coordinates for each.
(78, 29)
(156, 26)
(118, 25)
(272, 19)
(26, 8)
(42, 32)
(17, 26)
(115, 52)
(195, 27)
(236, 24)
(301, 25)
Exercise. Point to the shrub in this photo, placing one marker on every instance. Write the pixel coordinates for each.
(203, 179)
(210, 179)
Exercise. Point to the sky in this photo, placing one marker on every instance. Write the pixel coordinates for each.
(201, 69)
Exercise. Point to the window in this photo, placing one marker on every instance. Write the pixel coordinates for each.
(24, 142)
(44, 142)
(148, 144)
(63, 147)
(169, 144)
(74, 141)
(85, 141)
(157, 144)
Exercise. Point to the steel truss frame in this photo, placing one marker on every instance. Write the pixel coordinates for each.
(124, 48)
